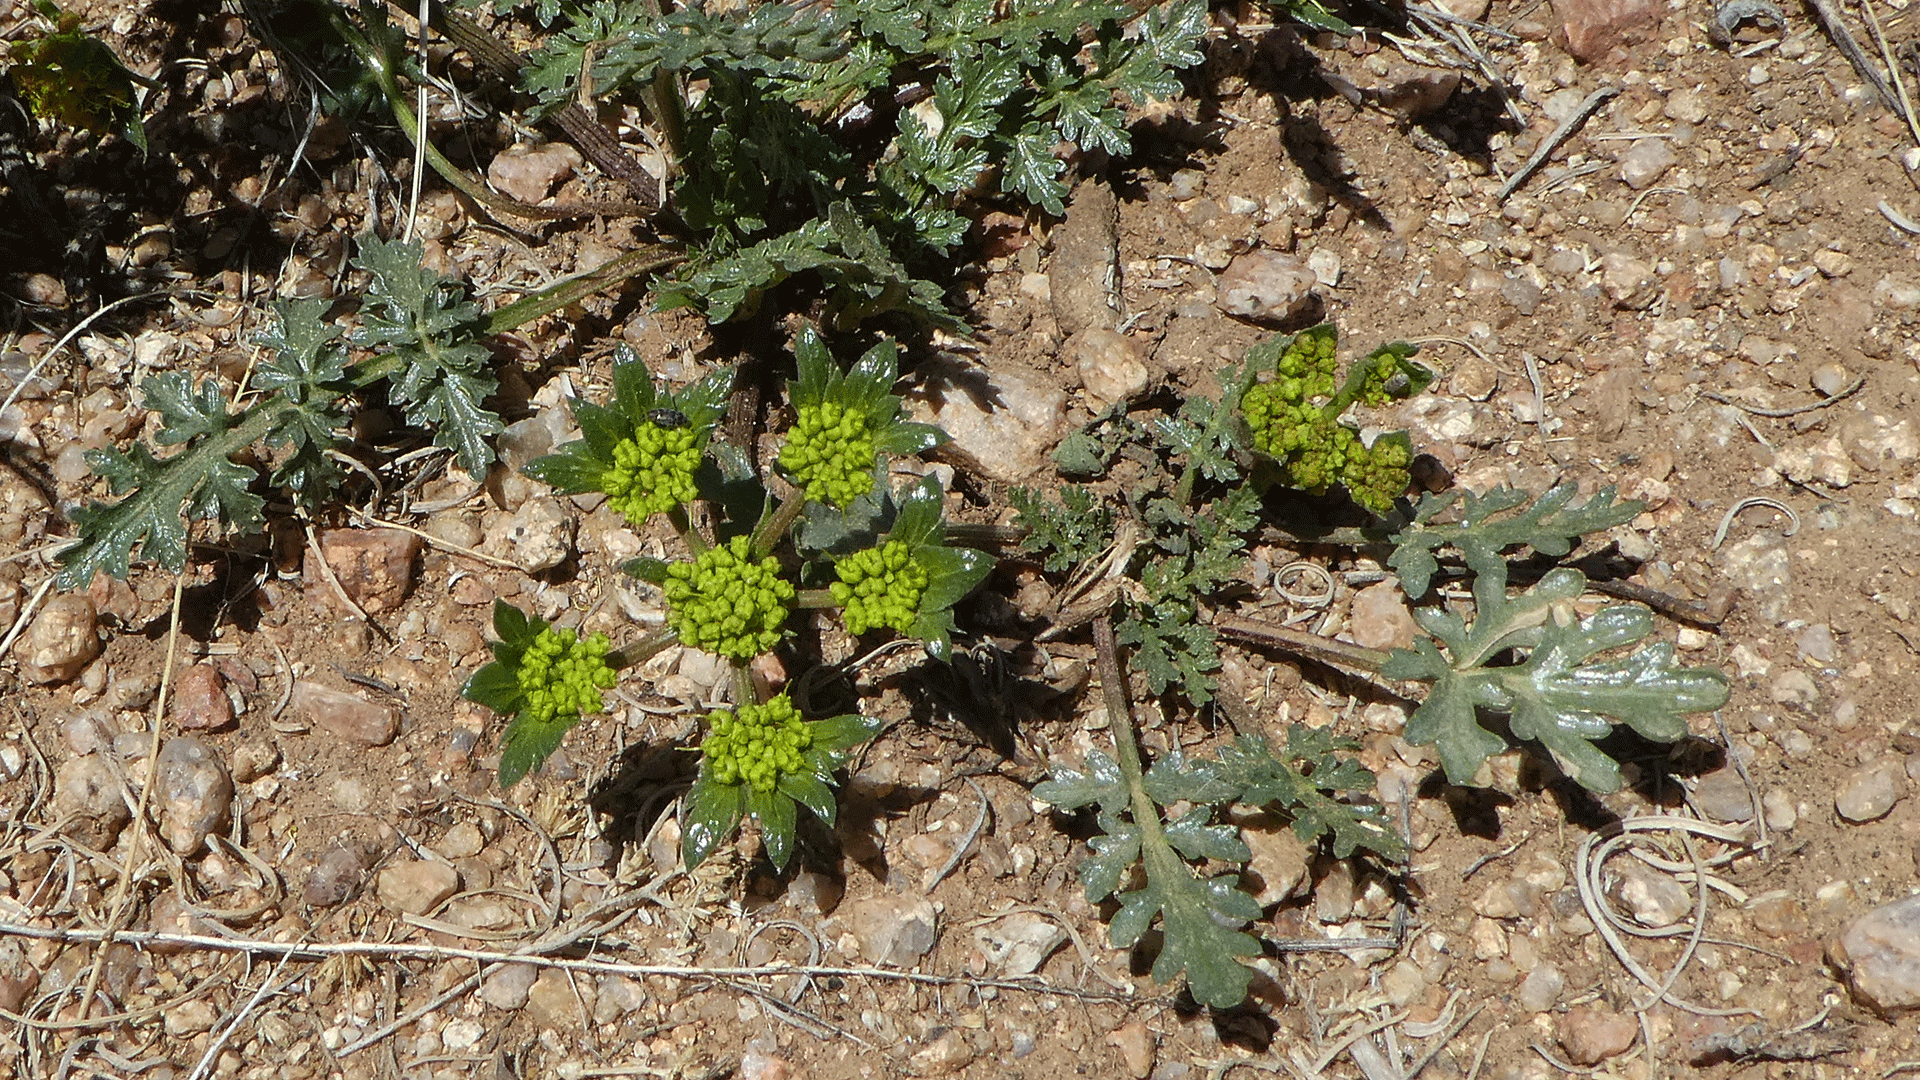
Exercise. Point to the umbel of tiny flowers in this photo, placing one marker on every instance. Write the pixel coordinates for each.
(545, 679)
(764, 761)
(644, 447)
(845, 423)
(727, 602)
(909, 580)
(1294, 415)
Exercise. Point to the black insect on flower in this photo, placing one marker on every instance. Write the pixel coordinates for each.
(668, 419)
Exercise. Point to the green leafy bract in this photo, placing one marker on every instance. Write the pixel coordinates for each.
(504, 686)
(950, 572)
(643, 448)
(845, 423)
(723, 795)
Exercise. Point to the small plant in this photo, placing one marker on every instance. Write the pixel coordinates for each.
(735, 592)
(797, 158)
(1528, 656)
(419, 336)
(72, 78)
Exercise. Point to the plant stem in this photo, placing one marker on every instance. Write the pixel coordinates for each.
(746, 691)
(815, 599)
(640, 651)
(774, 526)
(677, 517)
(1312, 646)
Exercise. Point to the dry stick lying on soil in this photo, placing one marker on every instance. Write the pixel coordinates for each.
(1843, 39)
(1588, 106)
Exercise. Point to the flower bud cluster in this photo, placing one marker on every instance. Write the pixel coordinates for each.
(756, 744)
(879, 586)
(561, 675)
(652, 471)
(829, 453)
(728, 603)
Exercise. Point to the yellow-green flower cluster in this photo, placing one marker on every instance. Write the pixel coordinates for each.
(1281, 423)
(561, 675)
(728, 603)
(652, 471)
(756, 744)
(1378, 475)
(879, 586)
(829, 453)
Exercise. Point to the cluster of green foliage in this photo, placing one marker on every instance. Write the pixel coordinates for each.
(72, 78)
(1528, 657)
(786, 162)
(734, 593)
(419, 337)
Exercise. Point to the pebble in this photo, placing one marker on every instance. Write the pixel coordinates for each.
(1897, 292)
(891, 928)
(349, 716)
(1815, 644)
(948, 1053)
(1474, 378)
(374, 567)
(1879, 954)
(1869, 792)
(1687, 105)
(1723, 796)
(1778, 916)
(755, 1065)
(195, 792)
(618, 996)
(1541, 988)
(1001, 423)
(814, 893)
(1781, 813)
(200, 701)
(337, 877)
(416, 886)
(1645, 162)
(1112, 366)
(63, 638)
(1655, 899)
(87, 794)
(1135, 1044)
(1019, 943)
(528, 171)
(254, 759)
(1761, 567)
(461, 1035)
(1279, 867)
(538, 537)
(18, 977)
(1083, 272)
(1630, 283)
(507, 986)
(557, 1001)
(1379, 618)
(456, 527)
(1266, 286)
(1592, 1035)
(190, 1017)
(462, 841)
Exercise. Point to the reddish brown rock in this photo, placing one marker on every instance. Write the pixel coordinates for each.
(349, 716)
(374, 566)
(528, 171)
(1592, 30)
(1591, 1035)
(200, 701)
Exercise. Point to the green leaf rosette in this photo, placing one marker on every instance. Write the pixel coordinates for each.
(644, 447)
(845, 423)
(764, 761)
(909, 580)
(545, 679)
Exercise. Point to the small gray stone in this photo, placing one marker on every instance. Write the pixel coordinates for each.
(1897, 291)
(18, 977)
(254, 759)
(1723, 796)
(1879, 953)
(88, 795)
(1815, 644)
(891, 928)
(349, 716)
(507, 986)
(539, 536)
(337, 877)
(1266, 286)
(1019, 943)
(618, 996)
(1541, 988)
(1782, 814)
(1474, 378)
(416, 886)
(195, 793)
(1002, 423)
(62, 639)
(1687, 105)
(947, 1054)
(1278, 868)
(1869, 792)
(1644, 162)
(1655, 899)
